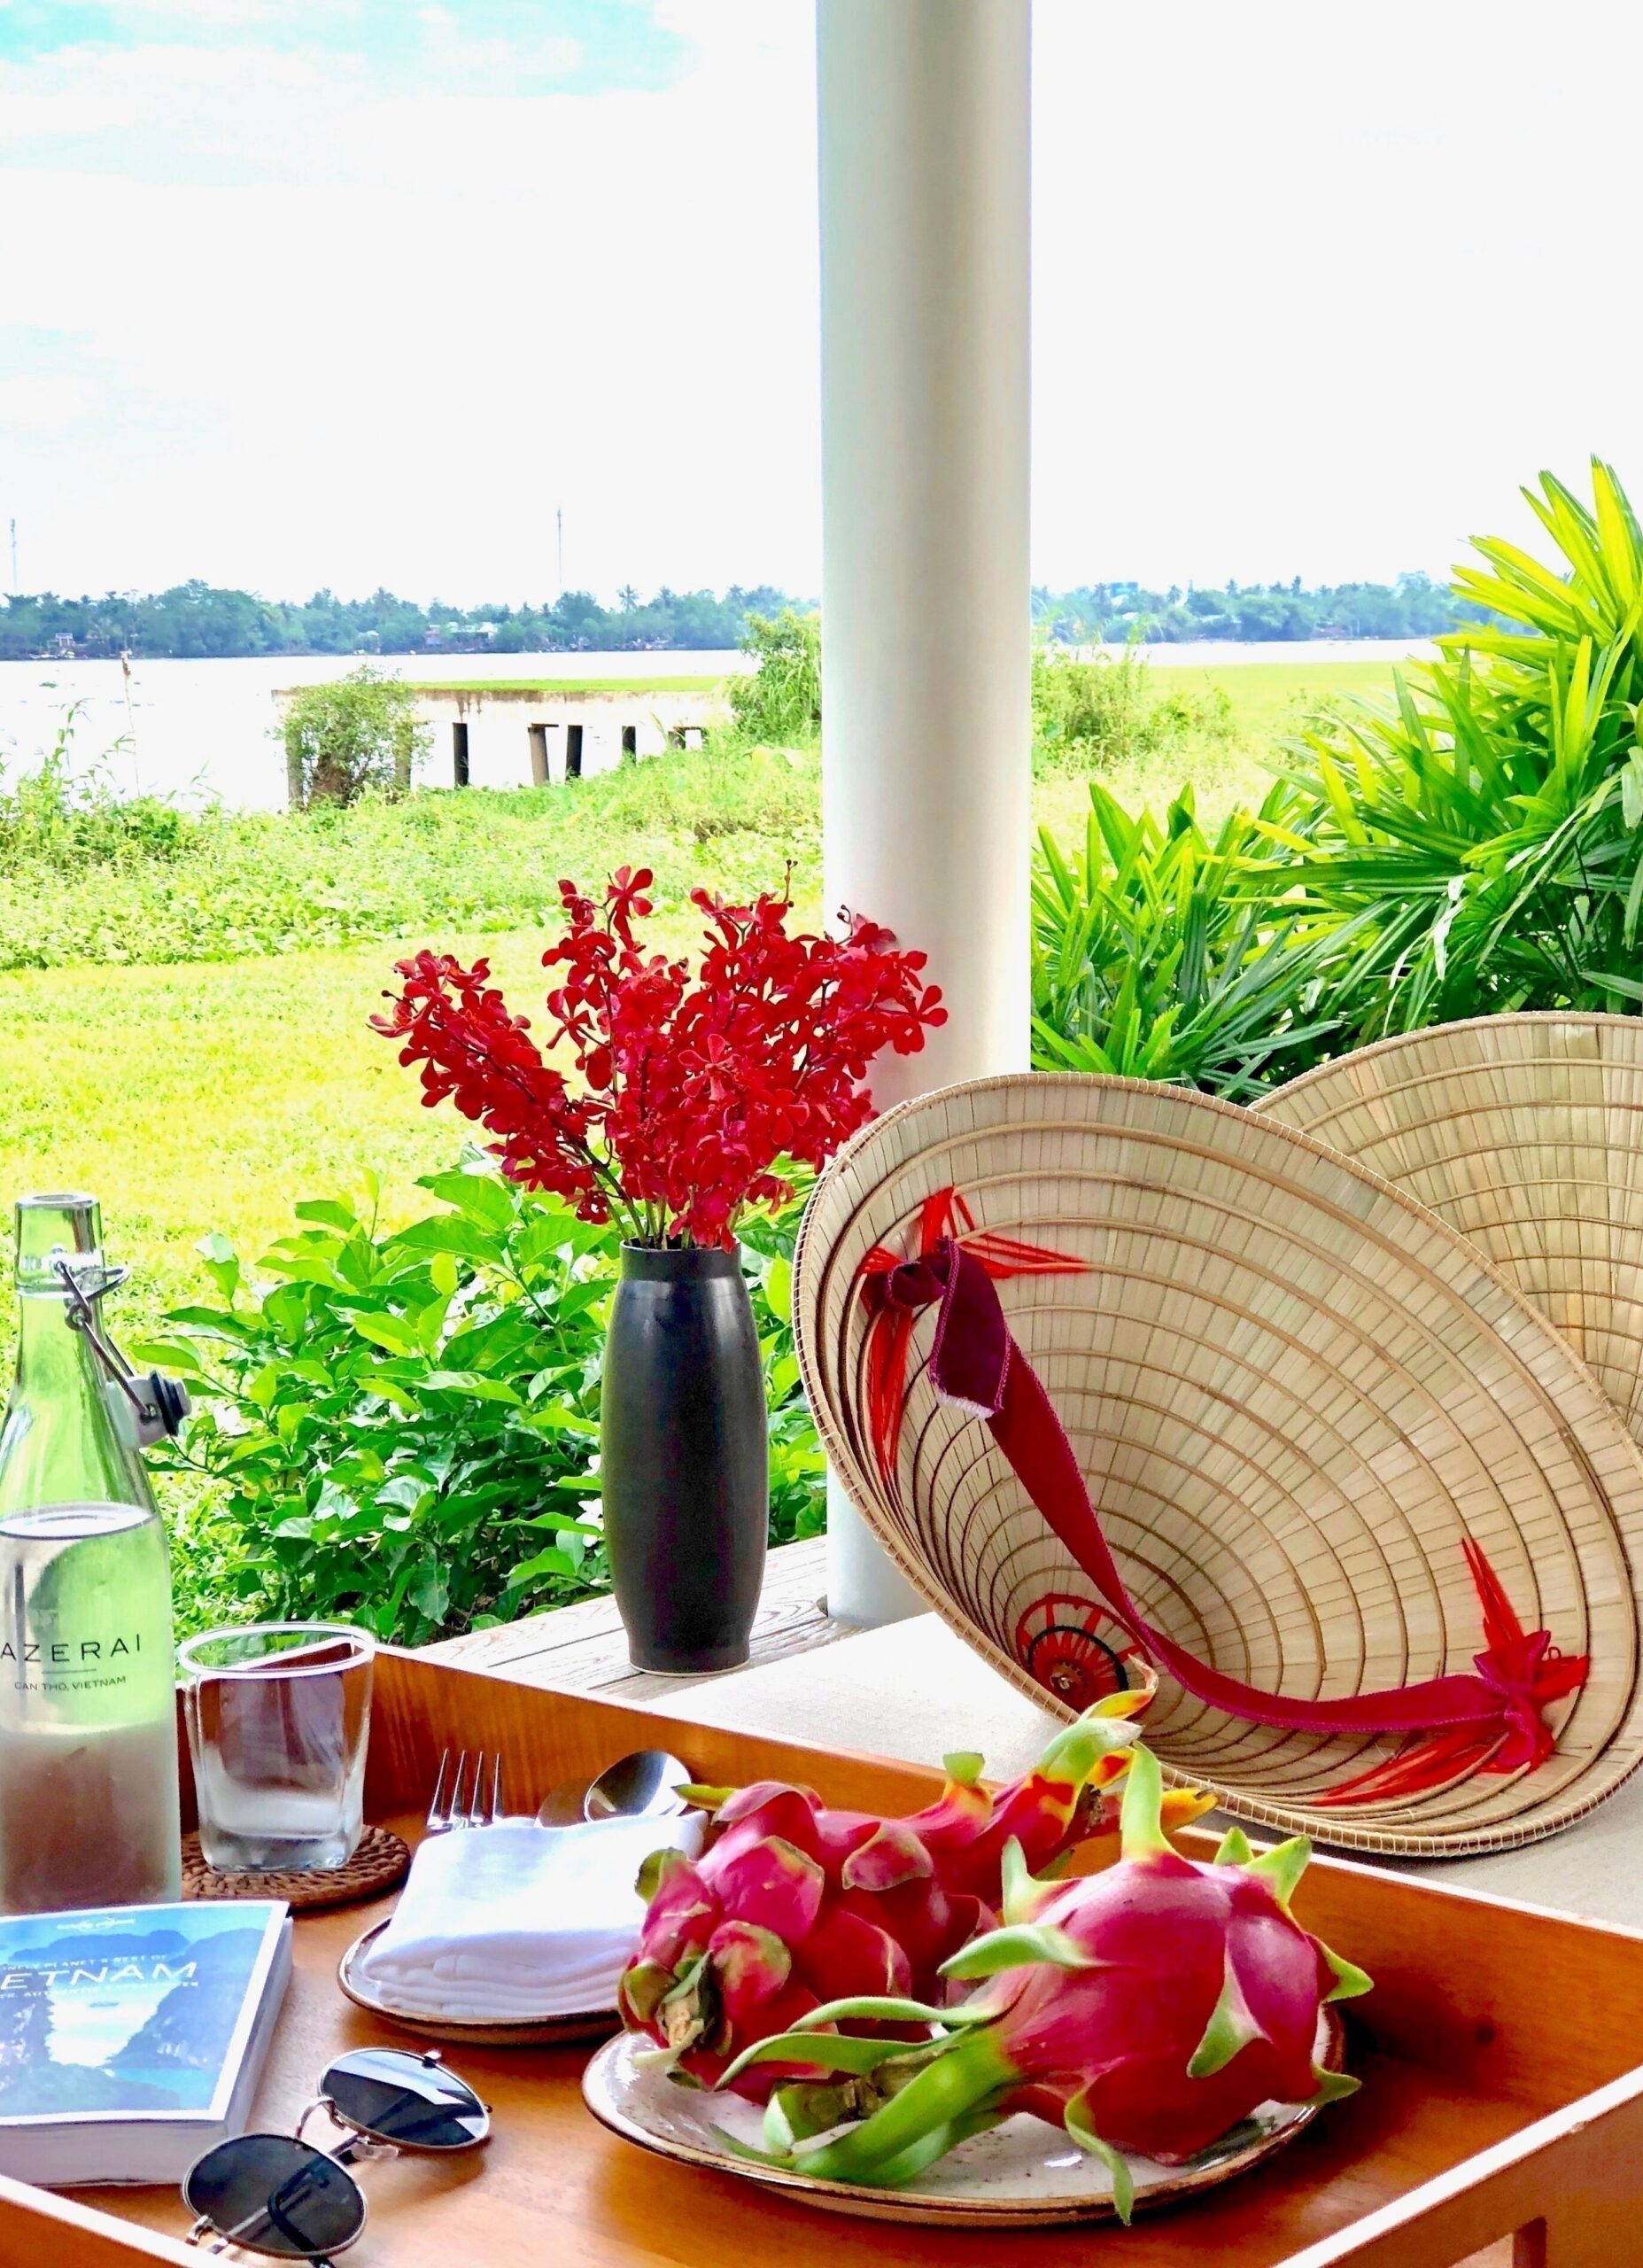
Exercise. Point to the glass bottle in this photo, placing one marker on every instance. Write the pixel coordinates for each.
(89, 1799)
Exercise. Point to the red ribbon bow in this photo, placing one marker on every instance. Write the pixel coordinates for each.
(1492, 1720)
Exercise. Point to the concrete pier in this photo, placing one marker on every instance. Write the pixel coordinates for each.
(507, 736)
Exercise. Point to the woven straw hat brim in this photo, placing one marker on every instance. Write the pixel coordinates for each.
(1525, 1133)
(1293, 1392)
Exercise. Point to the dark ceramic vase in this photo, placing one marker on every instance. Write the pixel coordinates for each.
(685, 1459)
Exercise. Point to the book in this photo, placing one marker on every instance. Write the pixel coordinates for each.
(131, 2037)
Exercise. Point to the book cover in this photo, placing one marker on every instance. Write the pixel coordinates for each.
(136, 2017)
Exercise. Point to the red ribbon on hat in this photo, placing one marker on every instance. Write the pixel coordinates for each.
(1491, 1721)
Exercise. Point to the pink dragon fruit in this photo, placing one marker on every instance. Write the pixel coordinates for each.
(795, 1905)
(1147, 2008)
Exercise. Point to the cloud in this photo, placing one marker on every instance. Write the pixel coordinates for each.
(363, 293)
(396, 328)
(38, 405)
(207, 14)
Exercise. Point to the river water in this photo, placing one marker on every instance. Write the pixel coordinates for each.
(200, 730)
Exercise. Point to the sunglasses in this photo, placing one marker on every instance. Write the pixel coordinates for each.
(279, 2195)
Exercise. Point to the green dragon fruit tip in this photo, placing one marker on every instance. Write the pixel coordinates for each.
(1229, 2030)
(1079, 1747)
(1283, 1866)
(1077, 2122)
(1141, 1815)
(1023, 1894)
(1023, 1945)
(1350, 1982)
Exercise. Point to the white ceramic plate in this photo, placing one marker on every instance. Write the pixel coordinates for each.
(511, 2031)
(1021, 2174)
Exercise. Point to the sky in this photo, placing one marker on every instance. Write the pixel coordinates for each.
(351, 293)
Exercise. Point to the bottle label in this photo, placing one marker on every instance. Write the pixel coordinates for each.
(67, 1666)
(85, 1620)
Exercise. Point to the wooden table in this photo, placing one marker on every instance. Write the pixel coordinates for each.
(912, 1690)
(583, 1648)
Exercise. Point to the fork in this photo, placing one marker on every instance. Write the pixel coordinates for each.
(445, 1813)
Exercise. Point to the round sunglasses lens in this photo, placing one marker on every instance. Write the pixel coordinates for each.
(277, 2196)
(400, 2098)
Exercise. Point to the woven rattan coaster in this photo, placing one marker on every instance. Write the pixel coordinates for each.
(380, 1861)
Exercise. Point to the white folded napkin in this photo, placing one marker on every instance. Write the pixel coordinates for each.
(514, 1921)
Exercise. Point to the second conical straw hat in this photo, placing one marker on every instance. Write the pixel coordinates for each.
(1525, 1133)
(1294, 1393)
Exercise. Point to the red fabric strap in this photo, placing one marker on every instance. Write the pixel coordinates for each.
(1492, 1720)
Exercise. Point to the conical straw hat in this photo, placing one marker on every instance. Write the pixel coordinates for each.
(1526, 1134)
(1294, 1393)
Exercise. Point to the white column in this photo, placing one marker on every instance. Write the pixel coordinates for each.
(924, 110)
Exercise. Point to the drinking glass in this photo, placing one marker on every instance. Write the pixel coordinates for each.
(278, 1716)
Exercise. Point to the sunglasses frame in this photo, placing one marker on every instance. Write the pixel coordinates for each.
(359, 2144)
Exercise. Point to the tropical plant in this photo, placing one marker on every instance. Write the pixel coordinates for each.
(357, 732)
(1485, 827)
(780, 701)
(798, 1471)
(1158, 953)
(402, 1428)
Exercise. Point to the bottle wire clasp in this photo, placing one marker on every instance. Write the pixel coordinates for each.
(156, 1405)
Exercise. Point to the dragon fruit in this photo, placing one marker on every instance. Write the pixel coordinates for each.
(1148, 2008)
(795, 1905)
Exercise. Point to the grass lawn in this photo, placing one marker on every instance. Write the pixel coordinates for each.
(213, 1095)
(1264, 694)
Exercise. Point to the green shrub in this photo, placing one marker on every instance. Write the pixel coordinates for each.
(779, 703)
(1484, 829)
(1160, 954)
(354, 734)
(1109, 712)
(58, 822)
(403, 1429)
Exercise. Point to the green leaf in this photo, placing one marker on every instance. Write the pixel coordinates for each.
(482, 1197)
(430, 1594)
(329, 1213)
(546, 1563)
(264, 1387)
(389, 1331)
(457, 1235)
(222, 1262)
(1631, 790)
(477, 1386)
(779, 1287)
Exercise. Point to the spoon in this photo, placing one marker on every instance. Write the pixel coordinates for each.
(644, 1785)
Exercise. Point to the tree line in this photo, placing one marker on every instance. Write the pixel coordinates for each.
(1412, 607)
(198, 619)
